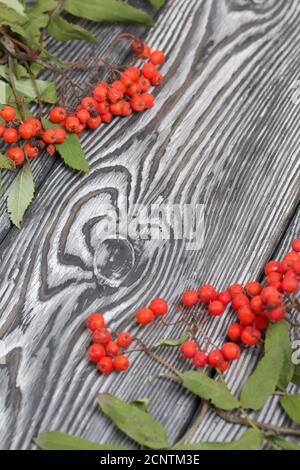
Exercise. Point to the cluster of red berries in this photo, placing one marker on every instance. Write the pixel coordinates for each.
(128, 94)
(255, 306)
(104, 351)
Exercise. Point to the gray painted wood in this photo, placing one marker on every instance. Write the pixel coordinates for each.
(224, 132)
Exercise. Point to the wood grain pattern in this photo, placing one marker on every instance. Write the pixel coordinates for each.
(225, 133)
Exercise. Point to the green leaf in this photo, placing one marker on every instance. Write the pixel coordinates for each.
(62, 30)
(296, 376)
(107, 10)
(278, 338)
(269, 371)
(47, 90)
(11, 15)
(284, 443)
(134, 422)
(7, 163)
(54, 440)
(291, 405)
(15, 5)
(42, 6)
(157, 3)
(250, 440)
(208, 389)
(70, 150)
(20, 195)
(172, 342)
(141, 403)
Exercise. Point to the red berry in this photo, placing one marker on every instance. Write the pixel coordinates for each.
(145, 316)
(8, 113)
(31, 151)
(16, 154)
(72, 124)
(157, 57)
(291, 257)
(107, 117)
(114, 95)
(148, 100)
(133, 73)
(271, 267)
(274, 279)
(296, 245)
(290, 285)
(224, 297)
(101, 336)
(256, 304)
(112, 348)
(127, 81)
(51, 149)
(124, 339)
(106, 365)
(144, 84)
(126, 108)
(189, 349)
(83, 115)
(149, 70)
(118, 85)
(239, 301)
(296, 267)
(207, 293)
(89, 103)
(94, 122)
(261, 322)
(26, 130)
(253, 288)
(234, 331)
(157, 80)
(137, 103)
(10, 135)
(245, 315)
(231, 351)
(215, 358)
(95, 321)
(271, 296)
(49, 136)
(146, 52)
(58, 114)
(190, 298)
(60, 135)
(121, 363)
(100, 93)
(137, 47)
(36, 124)
(2, 129)
(235, 289)
(223, 366)
(159, 306)
(116, 108)
(133, 90)
(277, 313)
(96, 352)
(103, 107)
(250, 335)
(216, 308)
(199, 359)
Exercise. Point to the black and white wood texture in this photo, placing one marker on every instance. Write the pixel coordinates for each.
(225, 133)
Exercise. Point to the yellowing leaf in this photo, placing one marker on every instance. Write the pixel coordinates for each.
(107, 11)
(209, 389)
(134, 422)
(20, 195)
(7, 163)
(250, 440)
(54, 440)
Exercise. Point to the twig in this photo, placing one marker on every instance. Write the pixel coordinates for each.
(270, 428)
(11, 78)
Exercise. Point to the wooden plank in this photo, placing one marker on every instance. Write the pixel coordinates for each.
(224, 132)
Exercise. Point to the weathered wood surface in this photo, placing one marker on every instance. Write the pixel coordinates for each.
(224, 132)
